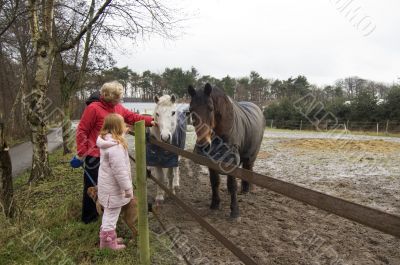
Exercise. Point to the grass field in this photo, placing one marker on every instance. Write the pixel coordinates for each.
(47, 227)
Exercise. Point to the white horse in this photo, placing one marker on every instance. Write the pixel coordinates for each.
(165, 115)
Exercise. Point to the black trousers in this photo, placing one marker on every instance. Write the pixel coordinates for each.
(89, 212)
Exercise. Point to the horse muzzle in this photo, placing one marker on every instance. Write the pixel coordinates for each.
(166, 138)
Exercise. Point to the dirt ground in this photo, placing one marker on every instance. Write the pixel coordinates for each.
(274, 229)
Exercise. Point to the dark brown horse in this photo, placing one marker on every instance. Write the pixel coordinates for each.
(238, 125)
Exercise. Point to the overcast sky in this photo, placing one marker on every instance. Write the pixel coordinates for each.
(279, 39)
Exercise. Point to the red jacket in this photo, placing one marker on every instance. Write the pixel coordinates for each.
(92, 120)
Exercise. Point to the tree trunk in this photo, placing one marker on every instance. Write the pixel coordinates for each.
(11, 119)
(22, 40)
(40, 158)
(6, 183)
(37, 118)
(41, 29)
(66, 124)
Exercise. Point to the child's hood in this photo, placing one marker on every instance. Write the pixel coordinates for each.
(107, 142)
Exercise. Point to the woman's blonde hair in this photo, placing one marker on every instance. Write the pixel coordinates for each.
(112, 91)
(115, 125)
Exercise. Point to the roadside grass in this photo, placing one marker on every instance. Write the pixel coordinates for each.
(16, 141)
(47, 227)
(367, 133)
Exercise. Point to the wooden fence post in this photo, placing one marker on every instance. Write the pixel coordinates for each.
(141, 181)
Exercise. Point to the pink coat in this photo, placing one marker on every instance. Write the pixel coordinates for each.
(114, 173)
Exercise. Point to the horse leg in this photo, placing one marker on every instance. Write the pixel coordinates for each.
(170, 174)
(246, 186)
(160, 176)
(214, 180)
(232, 188)
(175, 182)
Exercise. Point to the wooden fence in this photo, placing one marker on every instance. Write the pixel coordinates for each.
(374, 218)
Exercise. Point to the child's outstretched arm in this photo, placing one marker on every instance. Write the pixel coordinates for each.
(120, 169)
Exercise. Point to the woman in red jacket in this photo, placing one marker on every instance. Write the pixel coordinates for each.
(88, 130)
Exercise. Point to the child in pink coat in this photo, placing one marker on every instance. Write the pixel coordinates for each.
(114, 182)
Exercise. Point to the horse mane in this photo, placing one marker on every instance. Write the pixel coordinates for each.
(218, 95)
(165, 101)
(218, 92)
(223, 109)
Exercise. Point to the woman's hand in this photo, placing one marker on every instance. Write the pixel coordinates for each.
(153, 123)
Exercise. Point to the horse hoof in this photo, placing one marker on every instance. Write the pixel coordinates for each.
(234, 219)
(234, 215)
(176, 189)
(246, 189)
(214, 206)
(249, 188)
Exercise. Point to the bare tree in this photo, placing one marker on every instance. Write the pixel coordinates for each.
(70, 81)
(45, 46)
(54, 35)
(122, 19)
(19, 31)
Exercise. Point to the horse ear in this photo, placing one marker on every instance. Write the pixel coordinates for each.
(207, 89)
(173, 98)
(191, 91)
(156, 99)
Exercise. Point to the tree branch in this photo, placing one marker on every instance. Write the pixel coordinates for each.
(34, 20)
(13, 18)
(87, 45)
(71, 8)
(85, 29)
(48, 17)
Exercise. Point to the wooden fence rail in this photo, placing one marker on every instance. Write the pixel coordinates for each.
(374, 218)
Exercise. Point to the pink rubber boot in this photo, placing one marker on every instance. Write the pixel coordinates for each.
(119, 240)
(108, 239)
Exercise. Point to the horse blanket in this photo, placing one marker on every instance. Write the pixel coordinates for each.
(157, 156)
(244, 138)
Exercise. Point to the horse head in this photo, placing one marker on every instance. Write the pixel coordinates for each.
(166, 118)
(202, 113)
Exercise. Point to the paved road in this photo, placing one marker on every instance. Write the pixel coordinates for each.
(21, 155)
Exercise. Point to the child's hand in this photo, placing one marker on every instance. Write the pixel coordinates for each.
(129, 193)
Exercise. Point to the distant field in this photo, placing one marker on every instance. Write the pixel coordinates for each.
(336, 132)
